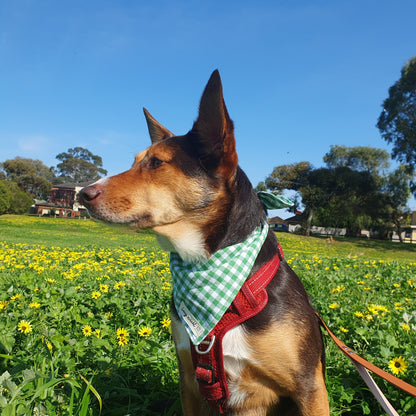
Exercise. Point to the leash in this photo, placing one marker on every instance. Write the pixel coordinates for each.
(363, 365)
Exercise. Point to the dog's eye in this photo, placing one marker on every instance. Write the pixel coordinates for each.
(154, 163)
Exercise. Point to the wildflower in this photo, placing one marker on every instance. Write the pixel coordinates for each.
(95, 294)
(333, 305)
(166, 323)
(51, 281)
(121, 332)
(77, 288)
(122, 341)
(34, 305)
(342, 329)
(3, 304)
(145, 331)
(87, 330)
(103, 288)
(398, 365)
(406, 327)
(97, 333)
(16, 297)
(338, 289)
(49, 345)
(119, 285)
(396, 284)
(24, 327)
(122, 337)
(109, 315)
(359, 314)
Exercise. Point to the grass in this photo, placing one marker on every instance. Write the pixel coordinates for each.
(84, 320)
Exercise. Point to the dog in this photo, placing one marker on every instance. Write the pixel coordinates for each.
(191, 191)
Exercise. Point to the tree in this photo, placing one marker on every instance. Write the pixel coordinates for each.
(352, 191)
(359, 158)
(31, 176)
(12, 199)
(397, 192)
(4, 198)
(80, 165)
(397, 121)
(295, 177)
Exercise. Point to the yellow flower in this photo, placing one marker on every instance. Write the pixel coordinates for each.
(51, 281)
(359, 314)
(342, 329)
(398, 365)
(406, 327)
(145, 331)
(122, 341)
(95, 294)
(49, 345)
(122, 333)
(15, 297)
(34, 305)
(87, 330)
(3, 304)
(396, 284)
(119, 285)
(103, 288)
(333, 305)
(166, 323)
(109, 315)
(24, 327)
(97, 333)
(338, 289)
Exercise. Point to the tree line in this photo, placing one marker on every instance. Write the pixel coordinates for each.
(25, 179)
(355, 189)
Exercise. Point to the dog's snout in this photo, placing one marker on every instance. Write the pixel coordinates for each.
(89, 194)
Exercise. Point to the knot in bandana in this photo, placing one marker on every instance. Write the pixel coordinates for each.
(203, 291)
(272, 201)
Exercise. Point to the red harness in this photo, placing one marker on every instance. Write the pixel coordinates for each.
(207, 357)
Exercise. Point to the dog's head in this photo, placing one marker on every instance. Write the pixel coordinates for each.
(180, 186)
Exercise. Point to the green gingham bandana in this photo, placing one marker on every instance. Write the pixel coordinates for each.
(203, 291)
(272, 201)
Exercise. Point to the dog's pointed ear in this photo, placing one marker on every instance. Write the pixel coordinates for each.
(214, 129)
(156, 131)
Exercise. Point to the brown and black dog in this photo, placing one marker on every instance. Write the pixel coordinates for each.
(190, 190)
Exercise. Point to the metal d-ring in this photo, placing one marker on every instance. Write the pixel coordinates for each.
(211, 344)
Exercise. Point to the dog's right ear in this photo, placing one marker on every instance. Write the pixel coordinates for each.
(156, 131)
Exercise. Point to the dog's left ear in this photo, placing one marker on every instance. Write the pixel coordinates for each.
(156, 131)
(214, 130)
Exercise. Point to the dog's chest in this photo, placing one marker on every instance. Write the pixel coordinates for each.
(236, 353)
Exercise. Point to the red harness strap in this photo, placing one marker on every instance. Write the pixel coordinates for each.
(207, 357)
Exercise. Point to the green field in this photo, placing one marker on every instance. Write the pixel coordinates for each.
(84, 318)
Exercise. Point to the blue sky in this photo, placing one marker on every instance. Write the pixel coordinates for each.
(297, 76)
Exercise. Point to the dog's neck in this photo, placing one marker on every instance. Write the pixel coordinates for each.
(242, 213)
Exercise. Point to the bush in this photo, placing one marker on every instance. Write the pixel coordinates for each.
(4, 198)
(12, 199)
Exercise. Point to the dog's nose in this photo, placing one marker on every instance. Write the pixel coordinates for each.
(90, 194)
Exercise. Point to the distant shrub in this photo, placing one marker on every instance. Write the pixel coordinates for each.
(12, 199)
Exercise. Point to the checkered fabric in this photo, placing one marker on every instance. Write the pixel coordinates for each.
(203, 291)
(272, 201)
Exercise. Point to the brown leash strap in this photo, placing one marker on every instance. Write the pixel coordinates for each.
(408, 388)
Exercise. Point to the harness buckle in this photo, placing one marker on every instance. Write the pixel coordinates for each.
(204, 342)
